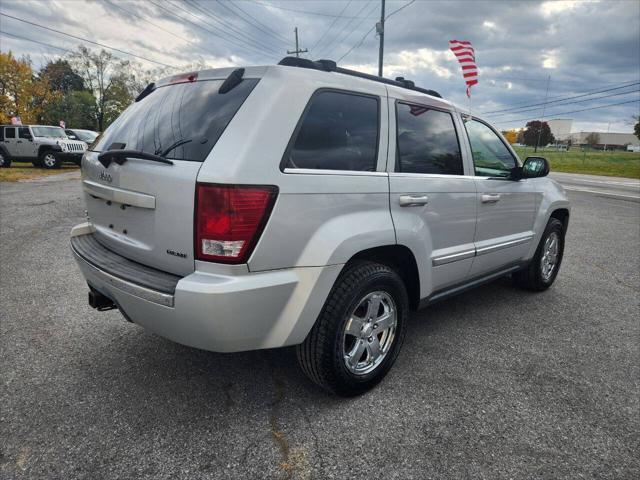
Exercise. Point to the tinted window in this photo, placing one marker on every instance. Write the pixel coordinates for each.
(10, 132)
(23, 132)
(193, 112)
(490, 155)
(1, 133)
(338, 132)
(427, 141)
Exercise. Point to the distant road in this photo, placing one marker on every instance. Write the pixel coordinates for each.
(627, 188)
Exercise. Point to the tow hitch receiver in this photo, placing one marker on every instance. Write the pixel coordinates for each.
(100, 302)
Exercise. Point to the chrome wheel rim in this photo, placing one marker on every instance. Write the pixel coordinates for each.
(1, 160)
(369, 333)
(550, 254)
(49, 160)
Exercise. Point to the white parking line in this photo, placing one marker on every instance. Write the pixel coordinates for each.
(599, 192)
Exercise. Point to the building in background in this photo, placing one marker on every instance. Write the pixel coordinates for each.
(600, 140)
(561, 129)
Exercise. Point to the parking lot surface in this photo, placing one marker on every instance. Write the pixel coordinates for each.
(496, 383)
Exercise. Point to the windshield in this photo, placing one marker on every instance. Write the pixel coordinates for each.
(55, 132)
(182, 121)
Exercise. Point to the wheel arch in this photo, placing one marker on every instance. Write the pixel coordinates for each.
(399, 258)
(561, 214)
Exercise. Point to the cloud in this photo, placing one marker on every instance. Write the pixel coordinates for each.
(517, 43)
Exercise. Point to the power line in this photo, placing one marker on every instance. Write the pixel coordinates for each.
(36, 41)
(87, 40)
(228, 29)
(216, 34)
(571, 111)
(328, 48)
(115, 4)
(569, 103)
(236, 5)
(355, 29)
(321, 14)
(331, 26)
(357, 45)
(561, 98)
(253, 22)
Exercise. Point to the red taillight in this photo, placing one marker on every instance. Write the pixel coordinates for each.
(183, 78)
(229, 220)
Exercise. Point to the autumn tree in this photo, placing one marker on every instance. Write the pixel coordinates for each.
(21, 92)
(537, 133)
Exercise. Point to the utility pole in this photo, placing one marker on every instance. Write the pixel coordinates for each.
(297, 51)
(544, 107)
(380, 31)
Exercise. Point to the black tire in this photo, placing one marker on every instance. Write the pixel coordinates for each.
(322, 355)
(48, 160)
(532, 277)
(5, 160)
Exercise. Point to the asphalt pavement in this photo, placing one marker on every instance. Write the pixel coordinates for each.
(496, 383)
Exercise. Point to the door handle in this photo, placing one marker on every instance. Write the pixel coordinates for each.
(413, 200)
(19, 141)
(490, 198)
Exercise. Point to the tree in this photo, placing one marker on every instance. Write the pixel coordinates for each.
(510, 136)
(61, 76)
(592, 139)
(21, 92)
(636, 128)
(109, 80)
(537, 133)
(76, 108)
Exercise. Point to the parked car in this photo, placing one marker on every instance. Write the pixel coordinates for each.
(87, 136)
(43, 145)
(309, 205)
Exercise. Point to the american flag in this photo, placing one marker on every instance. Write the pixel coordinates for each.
(467, 58)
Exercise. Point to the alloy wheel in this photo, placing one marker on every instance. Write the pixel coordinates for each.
(369, 333)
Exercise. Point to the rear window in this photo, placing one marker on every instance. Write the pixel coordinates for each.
(339, 131)
(192, 116)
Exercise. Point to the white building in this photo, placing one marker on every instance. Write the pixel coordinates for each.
(611, 140)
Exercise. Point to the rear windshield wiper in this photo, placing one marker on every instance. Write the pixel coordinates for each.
(171, 147)
(120, 156)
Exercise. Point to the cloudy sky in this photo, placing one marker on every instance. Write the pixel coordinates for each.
(583, 47)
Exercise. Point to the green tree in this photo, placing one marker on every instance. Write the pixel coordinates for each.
(636, 128)
(110, 81)
(76, 108)
(61, 76)
(538, 133)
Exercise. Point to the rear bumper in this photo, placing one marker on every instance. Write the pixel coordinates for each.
(222, 313)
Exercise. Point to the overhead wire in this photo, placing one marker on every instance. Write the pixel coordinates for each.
(330, 26)
(253, 22)
(224, 24)
(103, 45)
(336, 37)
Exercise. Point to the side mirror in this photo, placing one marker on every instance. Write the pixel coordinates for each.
(535, 167)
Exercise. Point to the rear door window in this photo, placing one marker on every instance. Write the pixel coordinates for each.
(427, 141)
(339, 131)
(10, 132)
(181, 121)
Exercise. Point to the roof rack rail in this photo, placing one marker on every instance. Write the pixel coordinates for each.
(331, 66)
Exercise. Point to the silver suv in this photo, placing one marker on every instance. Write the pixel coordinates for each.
(309, 205)
(44, 146)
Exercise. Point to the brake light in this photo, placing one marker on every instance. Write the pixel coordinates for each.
(229, 220)
(183, 78)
